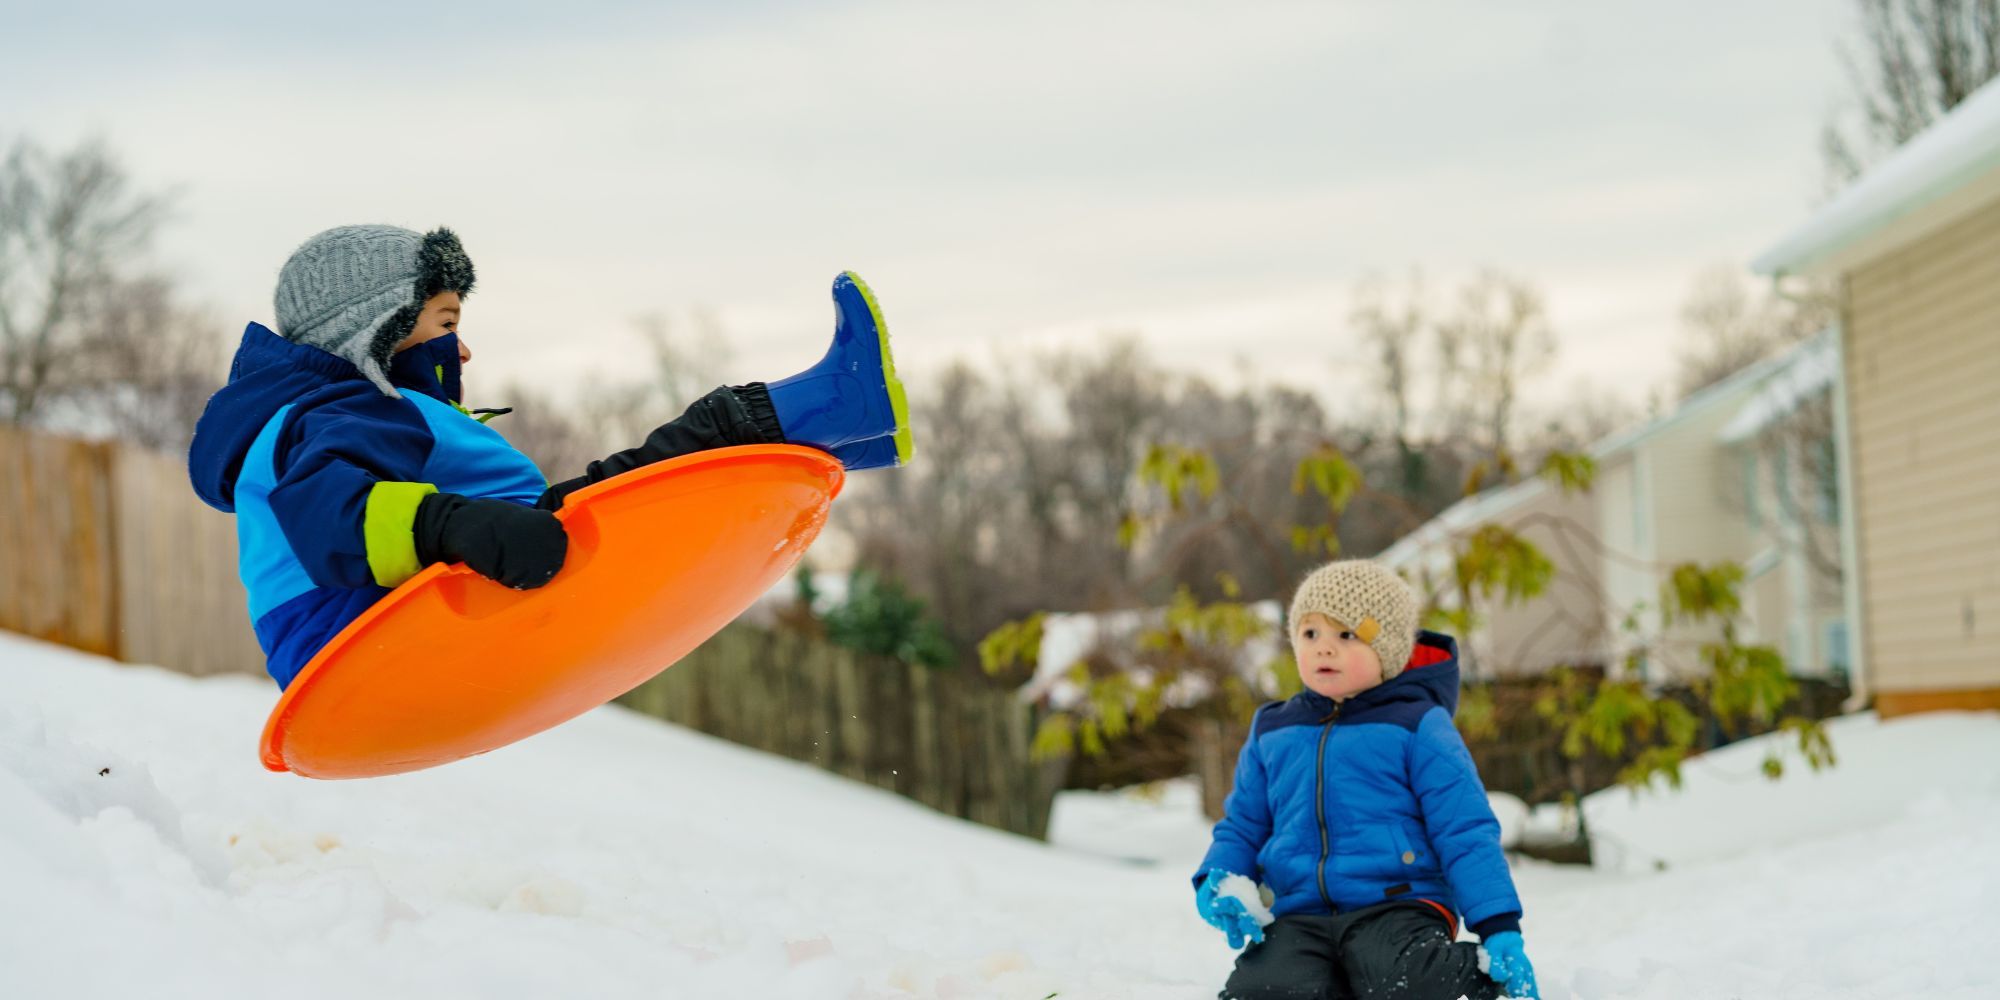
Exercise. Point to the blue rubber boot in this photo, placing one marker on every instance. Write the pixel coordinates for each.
(874, 453)
(852, 395)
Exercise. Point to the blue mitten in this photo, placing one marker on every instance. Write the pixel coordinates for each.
(1507, 964)
(1226, 913)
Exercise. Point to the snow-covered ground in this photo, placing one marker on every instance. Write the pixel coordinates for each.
(144, 853)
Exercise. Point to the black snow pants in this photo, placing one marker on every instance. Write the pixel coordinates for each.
(729, 415)
(1391, 951)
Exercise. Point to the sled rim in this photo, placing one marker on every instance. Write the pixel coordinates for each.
(272, 743)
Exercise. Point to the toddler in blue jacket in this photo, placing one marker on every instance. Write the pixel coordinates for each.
(342, 447)
(1358, 807)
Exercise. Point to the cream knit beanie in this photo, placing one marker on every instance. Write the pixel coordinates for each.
(1367, 599)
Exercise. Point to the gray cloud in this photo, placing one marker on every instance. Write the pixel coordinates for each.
(1212, 176)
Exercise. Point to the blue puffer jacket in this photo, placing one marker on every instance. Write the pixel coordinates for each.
(1340, 806)
(324, 474)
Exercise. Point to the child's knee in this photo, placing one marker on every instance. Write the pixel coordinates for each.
(1409, 955)
(1268, 984)
(1295, 962)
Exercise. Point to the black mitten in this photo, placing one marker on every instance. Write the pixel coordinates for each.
(518, 546)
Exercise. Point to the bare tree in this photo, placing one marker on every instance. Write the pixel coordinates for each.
(1451, 414)
(561, 442)
(1026, 473)
(1072, 424)
(944, 525)
(70, 229)
(1727, 325)
(1501, 324)
(90, 341)
(687, 358)
(1029, 470)
(1578, 419)
(688, 355)
(1395, 332)
(1256, 436)
(144, 369)
(1920, 59)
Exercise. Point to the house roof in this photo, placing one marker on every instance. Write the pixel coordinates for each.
(1807, 372)
(1466, 513)
(1697, 403)
(1947, 169)
(1788, 377)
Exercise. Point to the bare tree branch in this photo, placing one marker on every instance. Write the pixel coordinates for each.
(70, 233)
(1922, 58)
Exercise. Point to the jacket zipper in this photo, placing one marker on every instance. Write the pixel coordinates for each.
(1319, 802)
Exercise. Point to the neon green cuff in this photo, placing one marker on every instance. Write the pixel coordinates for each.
(389, 528)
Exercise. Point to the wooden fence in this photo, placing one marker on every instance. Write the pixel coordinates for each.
(105, 547)
(58, 578)
(942, 738)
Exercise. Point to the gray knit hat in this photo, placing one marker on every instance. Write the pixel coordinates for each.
(355, 292)
(1367, 599)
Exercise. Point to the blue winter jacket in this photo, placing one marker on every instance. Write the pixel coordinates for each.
(324, 473)
(1341, 806)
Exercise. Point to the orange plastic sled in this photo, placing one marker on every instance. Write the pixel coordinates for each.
(451, 664)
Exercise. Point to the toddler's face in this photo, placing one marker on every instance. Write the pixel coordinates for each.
(440, 316)
(1332, 660)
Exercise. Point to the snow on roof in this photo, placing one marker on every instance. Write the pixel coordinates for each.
(1808, 370)
(1792, 376)
(1957, 148)
(1410, 551)
(1697, 403)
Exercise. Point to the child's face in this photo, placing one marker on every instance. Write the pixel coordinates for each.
(1333, 661)
(440, 316)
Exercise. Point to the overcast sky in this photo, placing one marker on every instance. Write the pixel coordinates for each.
(1212, 176)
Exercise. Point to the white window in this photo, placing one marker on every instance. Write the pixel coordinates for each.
(1837, 661)
(1829, 481)
(1751, 508)
(1781, 473)
(1641, 502)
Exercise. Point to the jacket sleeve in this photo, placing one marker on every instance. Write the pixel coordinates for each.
(348, 485)
(1246, 819)
(727, 415)
(1462, 827)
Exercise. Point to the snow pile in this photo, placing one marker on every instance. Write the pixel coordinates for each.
(1513, 816)
(1070, 638)
(613, 857)
(1886, 771)
(1159, 824)
(145, 853)
(1254, 900)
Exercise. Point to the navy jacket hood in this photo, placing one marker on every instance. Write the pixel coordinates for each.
(1409, 693)
(270, 372)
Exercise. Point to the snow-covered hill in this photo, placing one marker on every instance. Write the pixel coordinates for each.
(144, 853)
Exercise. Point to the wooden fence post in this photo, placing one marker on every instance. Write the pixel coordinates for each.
(945, 740)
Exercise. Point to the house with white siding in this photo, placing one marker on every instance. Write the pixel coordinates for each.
(1565, 627)
(1713, 480)
(1786, 470)
(1913, 248)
